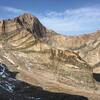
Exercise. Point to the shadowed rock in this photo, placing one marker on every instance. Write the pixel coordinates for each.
(13, 89)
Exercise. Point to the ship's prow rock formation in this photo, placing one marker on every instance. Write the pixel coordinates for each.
(41, 57)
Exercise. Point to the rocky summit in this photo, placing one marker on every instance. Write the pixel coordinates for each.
(46, 59)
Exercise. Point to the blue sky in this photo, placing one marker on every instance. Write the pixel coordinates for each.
(69, 17)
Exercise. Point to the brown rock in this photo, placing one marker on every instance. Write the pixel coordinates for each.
(42, 56)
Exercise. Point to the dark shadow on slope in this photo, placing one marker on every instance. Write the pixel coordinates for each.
(37, 93)
(25, 91)
(96, 76)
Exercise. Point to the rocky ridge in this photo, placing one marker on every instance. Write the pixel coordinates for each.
(45, 58)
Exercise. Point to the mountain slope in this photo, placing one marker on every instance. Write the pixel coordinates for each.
(45, 58)
(88, 46)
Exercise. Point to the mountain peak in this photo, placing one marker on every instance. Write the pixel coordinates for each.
(26, 21)
(27, 14)
(28, 17)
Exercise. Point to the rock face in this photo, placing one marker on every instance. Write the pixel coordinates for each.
(27, 21)
(13, 89)
(88, 46)
(45, 58)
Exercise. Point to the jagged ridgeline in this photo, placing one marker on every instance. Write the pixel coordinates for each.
(41, 56)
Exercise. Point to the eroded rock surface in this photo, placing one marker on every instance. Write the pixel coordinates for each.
(47, 59)
(13, 89)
